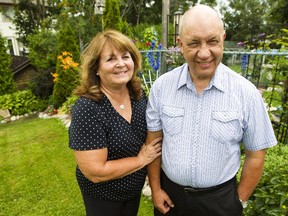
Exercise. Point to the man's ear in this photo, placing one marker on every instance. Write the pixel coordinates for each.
(180, 44)
(224, 36)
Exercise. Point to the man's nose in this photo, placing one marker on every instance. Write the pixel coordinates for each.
(204, 52)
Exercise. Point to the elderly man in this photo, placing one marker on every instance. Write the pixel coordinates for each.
(205, 111)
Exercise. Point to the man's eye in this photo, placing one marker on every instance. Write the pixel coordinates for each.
(193, 44)
(213, 42)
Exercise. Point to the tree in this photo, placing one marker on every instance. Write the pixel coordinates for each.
(7, 83)
(278, 11)
(137, 12)
(131, 10)
(184, 5)
(111, 15)
(82, 17)
(30, 15)
(244, 18)
(66, 75)
(43, 48)
(66, 40)
(43, 56)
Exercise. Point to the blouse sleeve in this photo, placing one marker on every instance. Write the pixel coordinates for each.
(86, 131)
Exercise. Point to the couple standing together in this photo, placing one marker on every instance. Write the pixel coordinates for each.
(197, 117)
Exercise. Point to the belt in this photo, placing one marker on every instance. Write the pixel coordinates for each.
(195, 191)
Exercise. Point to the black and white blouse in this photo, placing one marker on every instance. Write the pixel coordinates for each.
(97, 125)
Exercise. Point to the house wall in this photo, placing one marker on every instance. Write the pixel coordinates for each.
(7, 29)
(24, 77)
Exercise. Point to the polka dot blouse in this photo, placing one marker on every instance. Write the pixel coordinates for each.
(97, 125)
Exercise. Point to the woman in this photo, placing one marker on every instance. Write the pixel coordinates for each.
(108, 127)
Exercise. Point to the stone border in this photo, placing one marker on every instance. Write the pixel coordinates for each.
(14, 118)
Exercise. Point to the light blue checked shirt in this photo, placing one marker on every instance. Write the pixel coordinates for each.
(203, 133)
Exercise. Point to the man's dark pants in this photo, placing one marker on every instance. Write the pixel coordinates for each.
(217, 201)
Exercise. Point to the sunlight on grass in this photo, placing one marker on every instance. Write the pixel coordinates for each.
(38, 171)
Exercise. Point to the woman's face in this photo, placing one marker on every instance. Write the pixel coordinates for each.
(116, 68)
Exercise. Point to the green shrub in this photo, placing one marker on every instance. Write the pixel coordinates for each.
(67, 105)
(21, 102)
(67, 71)
(66, 79)
(174, 58)
(7, 83)
(42, 84)
(271, 195)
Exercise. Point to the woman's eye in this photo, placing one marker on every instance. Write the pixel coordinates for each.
(110, 59)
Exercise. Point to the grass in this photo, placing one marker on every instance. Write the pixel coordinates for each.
(38, 171)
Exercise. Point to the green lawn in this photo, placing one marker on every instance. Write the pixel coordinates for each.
(38, 171)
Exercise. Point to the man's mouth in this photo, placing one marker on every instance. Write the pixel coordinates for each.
(204, 64)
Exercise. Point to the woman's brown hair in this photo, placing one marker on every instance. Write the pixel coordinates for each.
(90, 58)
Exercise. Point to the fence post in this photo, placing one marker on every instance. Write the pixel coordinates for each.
(165, 24)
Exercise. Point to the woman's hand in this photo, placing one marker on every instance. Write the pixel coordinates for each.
(149, 152)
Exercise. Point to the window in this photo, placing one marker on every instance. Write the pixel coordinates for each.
(10, 47)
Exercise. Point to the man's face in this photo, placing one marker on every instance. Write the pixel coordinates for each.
(202, 45)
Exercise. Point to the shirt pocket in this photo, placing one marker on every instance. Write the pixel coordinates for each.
(226, 126)
(172, 118)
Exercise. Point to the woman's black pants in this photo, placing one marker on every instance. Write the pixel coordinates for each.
(98, 207)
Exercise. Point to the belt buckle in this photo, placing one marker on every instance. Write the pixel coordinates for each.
(190, 189)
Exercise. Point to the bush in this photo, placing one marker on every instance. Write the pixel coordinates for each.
(66, 79)
(174, 58)
(271, 195)
(7, 83)
(21, 102)
(42, 84)
(67, 105)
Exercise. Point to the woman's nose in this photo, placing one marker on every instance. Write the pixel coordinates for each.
(120, 63)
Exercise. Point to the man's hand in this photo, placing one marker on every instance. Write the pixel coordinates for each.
(162, 201)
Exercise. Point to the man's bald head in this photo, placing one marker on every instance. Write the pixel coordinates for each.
(200, 15)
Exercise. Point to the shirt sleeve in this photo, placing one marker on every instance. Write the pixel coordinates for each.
(259, 133)
(86, 131)
(153, 108)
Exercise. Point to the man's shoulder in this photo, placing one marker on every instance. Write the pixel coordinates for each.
(172, 74)
(235, 77)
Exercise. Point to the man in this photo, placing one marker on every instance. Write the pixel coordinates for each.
(205, 111)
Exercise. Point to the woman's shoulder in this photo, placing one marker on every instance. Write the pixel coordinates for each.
(86, 103)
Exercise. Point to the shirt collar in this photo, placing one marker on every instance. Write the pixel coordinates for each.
(183, 76)
(218, 80)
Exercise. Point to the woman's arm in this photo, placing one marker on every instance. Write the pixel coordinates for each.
(95, 166)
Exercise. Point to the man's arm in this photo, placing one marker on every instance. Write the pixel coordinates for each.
(160, 199)
(251, 173)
